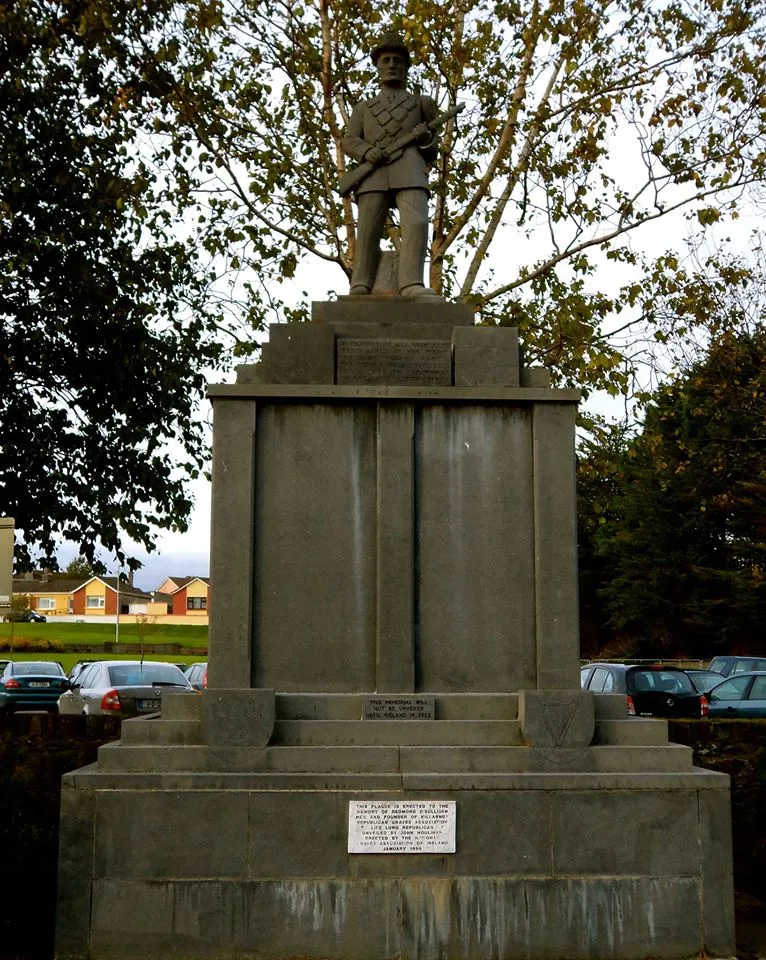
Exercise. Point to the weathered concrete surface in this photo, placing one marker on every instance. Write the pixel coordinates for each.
(272, 877)
(381, 310)
(231, 551)
(400, 919)
(418, 544)
(314, 545)
(486, 355)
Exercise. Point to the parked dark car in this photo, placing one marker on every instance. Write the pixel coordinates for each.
(26, 616)
(31, 685)
(740, 695)
(196, 674)
(727, 666)
(651, 691)
(124, 688)
(703, 680)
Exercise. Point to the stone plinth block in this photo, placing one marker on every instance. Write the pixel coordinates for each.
(234, 718)
(548, 866)
(382, 309)
(557, 718)
(535, 377)
(295, 353)
(486, 356)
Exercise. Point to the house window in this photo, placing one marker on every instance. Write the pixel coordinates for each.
(46, 603)
(196, 603)
(94, 602)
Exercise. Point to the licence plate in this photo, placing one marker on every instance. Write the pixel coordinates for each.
(39, 683)
(148, 704)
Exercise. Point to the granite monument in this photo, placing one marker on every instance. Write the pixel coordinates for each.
(394, 758)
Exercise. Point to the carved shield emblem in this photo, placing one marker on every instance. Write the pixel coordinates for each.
(557, 718)
(238, 718)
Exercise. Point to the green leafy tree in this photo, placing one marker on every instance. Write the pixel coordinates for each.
(105, 325)
(137, 138)
(585, 123)
(685, 544)
(79, 567)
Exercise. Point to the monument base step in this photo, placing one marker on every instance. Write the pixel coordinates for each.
(397, 732)
(394, 759)
(574, 865)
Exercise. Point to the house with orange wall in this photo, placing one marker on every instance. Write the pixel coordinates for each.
(55, 594)
(99, 595)
(190, 595)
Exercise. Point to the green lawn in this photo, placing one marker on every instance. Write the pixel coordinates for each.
(68, 660)
(195, 635)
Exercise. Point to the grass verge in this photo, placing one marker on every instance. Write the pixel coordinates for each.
(68, 660)
(195, 635)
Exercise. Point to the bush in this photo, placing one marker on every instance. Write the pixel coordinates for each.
(32, 645)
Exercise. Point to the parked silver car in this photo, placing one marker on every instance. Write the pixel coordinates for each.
(125, 688)
(196, 674)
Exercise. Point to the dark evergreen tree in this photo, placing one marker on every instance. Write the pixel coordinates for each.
(599, 455)
(686, 546)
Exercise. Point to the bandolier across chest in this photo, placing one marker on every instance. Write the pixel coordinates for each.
(387, 118)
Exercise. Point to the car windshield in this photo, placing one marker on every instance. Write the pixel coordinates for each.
(703, 680)
(137, 675)
(37, 667)
(718, 664)
(749, 666)
(730, 689)
(660, 681)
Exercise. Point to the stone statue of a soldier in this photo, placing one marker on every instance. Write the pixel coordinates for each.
(402, 181)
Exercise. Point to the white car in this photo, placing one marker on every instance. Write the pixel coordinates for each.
(123, 688)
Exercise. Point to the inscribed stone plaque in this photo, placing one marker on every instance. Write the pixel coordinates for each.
(399, 708)
(397, 362)
(401, 826)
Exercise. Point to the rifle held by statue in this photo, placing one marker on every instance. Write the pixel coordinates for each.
(352, 178)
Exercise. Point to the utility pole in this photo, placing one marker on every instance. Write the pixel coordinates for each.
(6, 564)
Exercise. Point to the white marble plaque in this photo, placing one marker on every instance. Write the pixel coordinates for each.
(401, 826)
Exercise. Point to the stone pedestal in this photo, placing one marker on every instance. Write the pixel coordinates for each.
(394, 620)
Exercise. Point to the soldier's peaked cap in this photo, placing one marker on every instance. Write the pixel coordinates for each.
(392, 42)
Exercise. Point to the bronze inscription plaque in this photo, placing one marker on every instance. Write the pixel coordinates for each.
(395, 362)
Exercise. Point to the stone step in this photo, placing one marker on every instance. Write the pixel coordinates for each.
(161, 732)
(129, 758)
(119, 757)
(397, 732)
(635, 731)
(350, 706)
(606, 759)
(182, 708)
(137, 758)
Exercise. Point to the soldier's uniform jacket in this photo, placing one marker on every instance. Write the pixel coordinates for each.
(381, 121)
